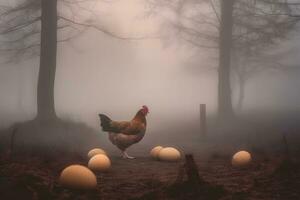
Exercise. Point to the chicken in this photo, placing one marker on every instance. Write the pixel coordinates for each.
(123, 134)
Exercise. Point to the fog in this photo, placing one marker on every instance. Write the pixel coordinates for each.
(100, 74)
(154, 99)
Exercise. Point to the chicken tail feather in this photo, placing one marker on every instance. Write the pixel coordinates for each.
(105, 122)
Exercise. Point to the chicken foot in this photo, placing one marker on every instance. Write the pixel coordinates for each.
(125, 155)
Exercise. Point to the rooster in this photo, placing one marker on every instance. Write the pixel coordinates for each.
(123, 134)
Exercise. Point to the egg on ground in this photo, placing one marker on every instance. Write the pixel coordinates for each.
(154, 152)
(95, 151)
(169, 154)
(241, 158)
(78, 177)
(99, 162)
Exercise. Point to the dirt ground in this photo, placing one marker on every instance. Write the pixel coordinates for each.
(268, 177)
(145, 178)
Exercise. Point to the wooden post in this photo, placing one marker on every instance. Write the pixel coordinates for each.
(12, 142)
(203, 119)
(286, 146)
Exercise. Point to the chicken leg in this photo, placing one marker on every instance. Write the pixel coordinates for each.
(125, 155)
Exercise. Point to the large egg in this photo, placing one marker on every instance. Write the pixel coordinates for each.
(154, 152)
(100, 163)
(169, 154)
(78, 177)
(96, 151)
(241, 158)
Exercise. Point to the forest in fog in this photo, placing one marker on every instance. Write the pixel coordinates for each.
(240, 59)
(167, 57)
(208, 77)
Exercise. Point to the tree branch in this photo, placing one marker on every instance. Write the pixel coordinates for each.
(215, 10)
(106, 31)
(20, 26)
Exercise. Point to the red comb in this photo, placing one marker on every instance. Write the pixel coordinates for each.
(145, 107)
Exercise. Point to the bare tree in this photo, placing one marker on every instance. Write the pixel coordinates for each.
(248, 27)
(246, 67)
(33, 27)
(259, 25)
(225, 46)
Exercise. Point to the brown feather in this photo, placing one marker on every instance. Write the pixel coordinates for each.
(126, 133)
(133, 127)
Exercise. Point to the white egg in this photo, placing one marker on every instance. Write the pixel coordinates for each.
(154, 152)
(100, 163)
(241, 158)
(95, 151)
(78, 177)
(169, 154)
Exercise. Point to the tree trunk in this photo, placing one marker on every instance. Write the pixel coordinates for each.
(45, 90)
(224, 89)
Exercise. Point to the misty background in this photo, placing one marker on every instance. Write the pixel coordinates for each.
(100, 74)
